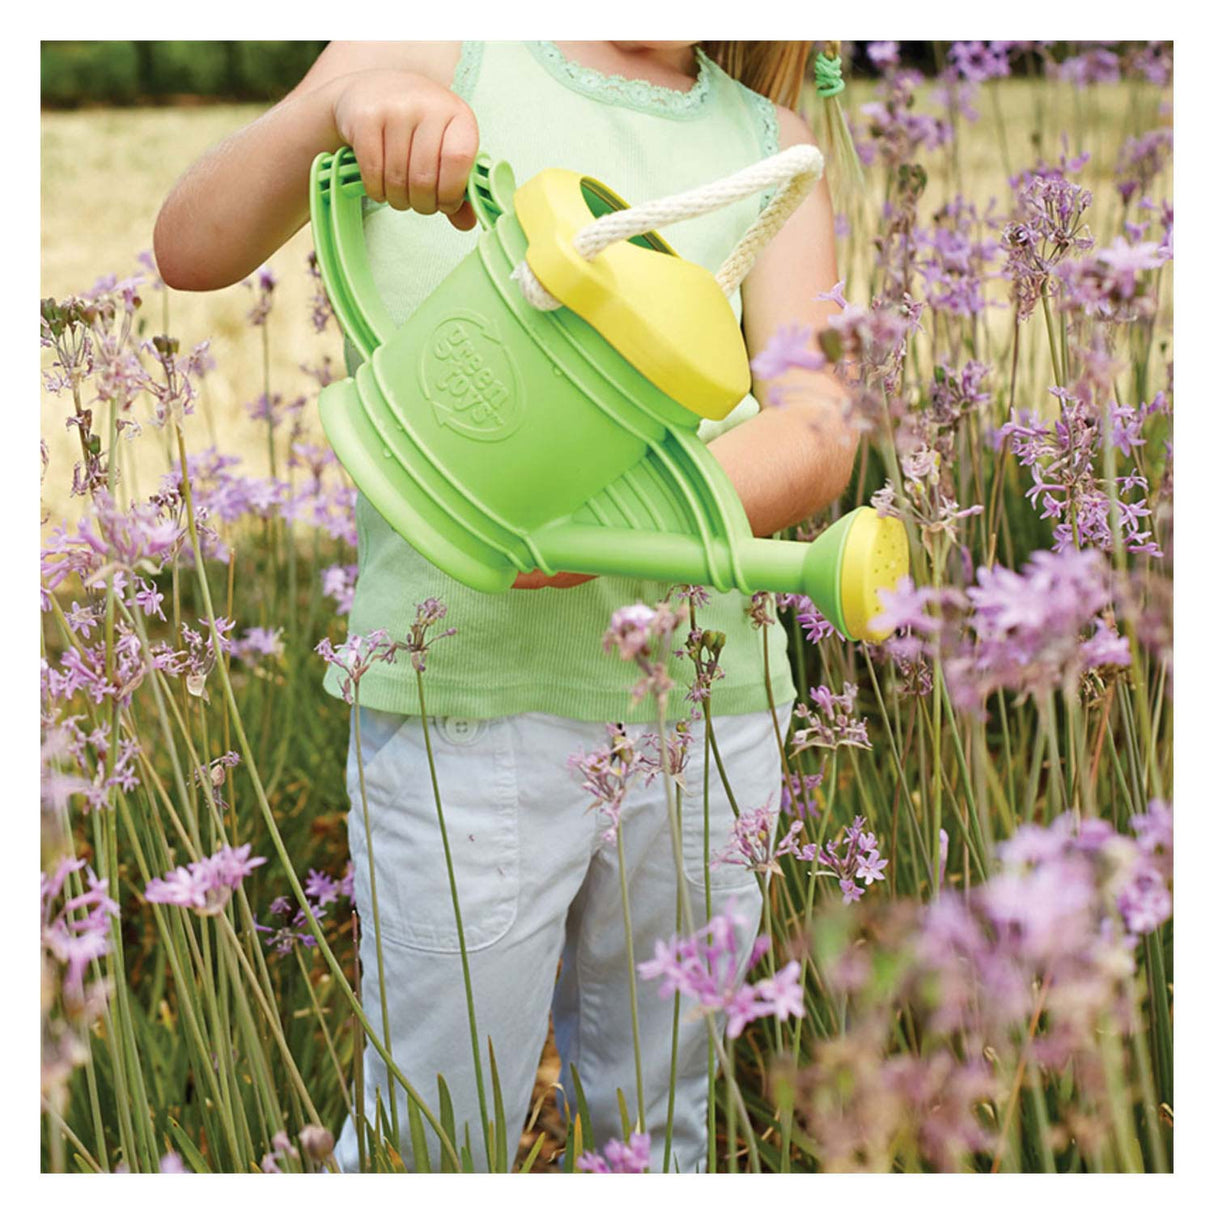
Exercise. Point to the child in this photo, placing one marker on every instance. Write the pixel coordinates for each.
(526, 681)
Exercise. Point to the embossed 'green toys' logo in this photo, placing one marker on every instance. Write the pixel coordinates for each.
(469, 378)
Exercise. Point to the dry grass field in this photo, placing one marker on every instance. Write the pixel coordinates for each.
(105, 172)
(104, 175)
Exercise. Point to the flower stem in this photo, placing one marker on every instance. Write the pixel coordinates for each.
(379, 948)
(459, 927)
(632, 980)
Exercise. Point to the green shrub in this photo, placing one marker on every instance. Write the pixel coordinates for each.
(270, 69)
(73, 72)
(187, 67)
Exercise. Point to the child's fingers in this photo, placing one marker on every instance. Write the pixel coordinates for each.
(456, 158)
(368, 145)
(465, 218)
(423, 166)
(399, 132)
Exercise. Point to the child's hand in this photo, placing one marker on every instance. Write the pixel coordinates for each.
(415, 141)
(535, 580)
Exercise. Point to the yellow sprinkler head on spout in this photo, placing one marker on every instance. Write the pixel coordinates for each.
(876, 557)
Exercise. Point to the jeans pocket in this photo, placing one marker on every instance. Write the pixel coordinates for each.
(370, 733)
(478, 787)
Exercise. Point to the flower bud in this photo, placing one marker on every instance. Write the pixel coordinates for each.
(316, 1141)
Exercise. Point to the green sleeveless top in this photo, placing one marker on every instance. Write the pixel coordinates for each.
(542, 650)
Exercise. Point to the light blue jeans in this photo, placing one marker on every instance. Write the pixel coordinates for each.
(537, 886)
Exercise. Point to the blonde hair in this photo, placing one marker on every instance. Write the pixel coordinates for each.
(777, 70)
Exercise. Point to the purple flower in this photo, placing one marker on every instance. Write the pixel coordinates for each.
(608, 773)
(1104, 648)
(905, 607)
(710, 968)
(1047, 225)
(1153, 62)
(642, 634)
(263, 290)
(830, 723)
(882, 54)
(816, 626)
(1113, 283)
(1141, 160)
(205, 885)
(869, 868)
(149, 599)
(272, 410)
(1066, 462)
(618, 1157)
(1145, 901)
(73, 939)
(978, 61)
(792, 346)
(259, 642)
(898, 128)
(783, 993)
(337, 583)
(1039, 937)
(859, 858)
(322, 309)
(629, 630)
(110, 540)
(834, 295)
(417, 643)
(283, 938)
(1026, 626)
(174, 392)
(282, 1151)
(321, 887)
(356, 656)
(754, 844)
(1095, 66)
(1154, 831)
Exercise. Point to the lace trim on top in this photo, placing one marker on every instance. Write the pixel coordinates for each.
(641, 95)
(467, 69)
(769, 131)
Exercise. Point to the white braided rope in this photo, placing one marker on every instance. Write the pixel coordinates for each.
(795, 170)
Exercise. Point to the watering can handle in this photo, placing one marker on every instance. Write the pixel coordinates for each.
(795, 170)
(489, 183)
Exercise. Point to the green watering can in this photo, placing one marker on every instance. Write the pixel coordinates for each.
(539, 409)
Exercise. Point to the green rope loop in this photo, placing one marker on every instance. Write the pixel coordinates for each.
(828, 76)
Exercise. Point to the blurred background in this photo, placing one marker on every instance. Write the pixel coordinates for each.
(122, 120)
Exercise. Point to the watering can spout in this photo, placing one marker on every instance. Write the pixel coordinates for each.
(842, 571)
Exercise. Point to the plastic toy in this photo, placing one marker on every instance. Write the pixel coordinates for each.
(539, 409)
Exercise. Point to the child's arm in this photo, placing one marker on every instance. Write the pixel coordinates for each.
(414, 139)
(794, 458)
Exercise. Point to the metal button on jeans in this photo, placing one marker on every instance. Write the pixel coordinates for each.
(460, 730)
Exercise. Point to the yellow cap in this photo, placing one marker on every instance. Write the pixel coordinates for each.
(876, 557)
(668, 317)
